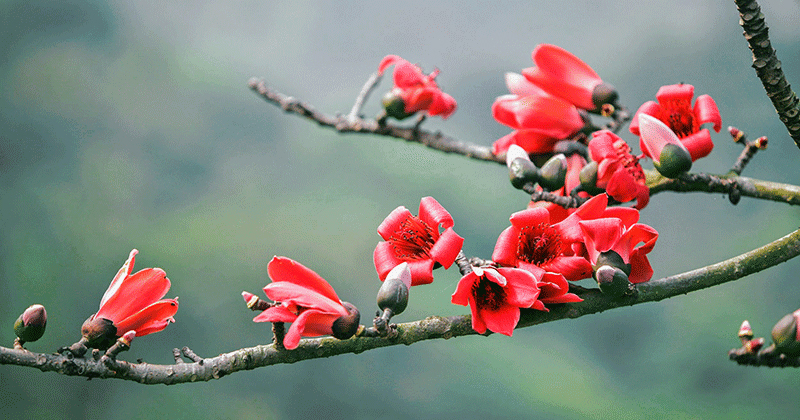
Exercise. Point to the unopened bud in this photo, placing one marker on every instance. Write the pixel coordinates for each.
(395, 106)
(127, 338)
(738, 135)
(553, 173)
(761, 142)
(604, 94)
(673, 161)
(30, 325)
(100, 333)
(613, 259)
(588, 178)
(522, 171)
(745, 332)
(393, 293)
(784, 335)
(346, 326)
(612, 281)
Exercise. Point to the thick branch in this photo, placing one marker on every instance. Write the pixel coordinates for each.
(744, 186)
(768, 67)
(735, 268)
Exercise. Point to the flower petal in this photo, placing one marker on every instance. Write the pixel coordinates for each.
(651, 108)
(561, 73)
(698, 144)
(432, 213)
(276, 314)
(385, 259)
(291, 293)
(282, 269)
(447, 247)
(707, 112)
(505, 250)
(122, 274)
(151, 319)
(135, 293)
(386, 62)
(654, 135)
(502, 321)
(572, 268)
(393, 222)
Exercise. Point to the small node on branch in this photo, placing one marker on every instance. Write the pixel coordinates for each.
(189, 354)
(750, 149)
(783, 352)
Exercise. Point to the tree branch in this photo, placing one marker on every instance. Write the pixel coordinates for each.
(768, 67)
(429, 328)
(355, 124)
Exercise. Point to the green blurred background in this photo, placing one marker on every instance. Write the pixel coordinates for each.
(129, 124)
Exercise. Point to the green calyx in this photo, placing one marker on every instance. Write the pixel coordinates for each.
(394, 106)
(674, 161)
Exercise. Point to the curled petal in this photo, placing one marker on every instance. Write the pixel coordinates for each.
(291, 293)
(447, 247)
(649, 108)
(276, 314)
(572, 268)
(299, 327)
(385, 259)
(533, 141)
(388, 61)
(421, 271)
(505, 250)
(517, 84)
(432, 213)
(124, 272)
(393, 222)
(698, 144)
(503, 320)
(561, 73)
(151, 319)
(707, 112)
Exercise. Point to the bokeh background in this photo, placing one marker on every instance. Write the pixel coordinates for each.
(129, 124)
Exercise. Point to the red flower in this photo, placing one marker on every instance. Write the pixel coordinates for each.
(417, 240)
(562, 74)
(532, 242)
(674, 108)
(539, 119)
(553, 288)
(132, 303)
(418, 92)
(306, 300)
(618, 172)
(613, 234)
(495, 295)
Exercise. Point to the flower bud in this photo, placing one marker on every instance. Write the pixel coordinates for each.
(31, 323)
(612, 281)
(393, 293)
(784, 335)
(346, 326)
(553, 173)
(521, 171)
(100, 333)
(745, 332)
(395, 106)
(753, 346)
(588, 178)
(613, 259)
(603, 94)
(673, 161)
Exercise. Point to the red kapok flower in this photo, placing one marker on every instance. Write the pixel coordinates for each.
(674, 108)
(618, 172)
(575, 162)
(631, 242)
(307, 301)
(415, 91)
(533, 243)
(562, 74)
(131, 303)
(494, 296)
(417, 240)
(539, 119)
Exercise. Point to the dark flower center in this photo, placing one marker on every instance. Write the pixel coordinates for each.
(629, 162)
(538, 244)
(680, 117)
(413, 241)
(488, 294)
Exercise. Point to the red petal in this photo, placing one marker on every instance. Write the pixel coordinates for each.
(291, 293)
(443, 104)
(572, 268)
(601, 235)
(276, 314)
(151, 319)
(282, 269)
(407, 75)
(393, 222)
(433, 214)
(388, 61)
(699, 144)
(521, 289)
(649, 108)
(562, 74)
(421, 271)
(446, 248)
(123, 273)
(681, 92)
(502, 321)
(707, 112)
(517, 84)
(530, 217)
(385, 259)
(464, 289)
(505, 250)
(622, 186)
(533, 141)
(298, 328)
(135, 293)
